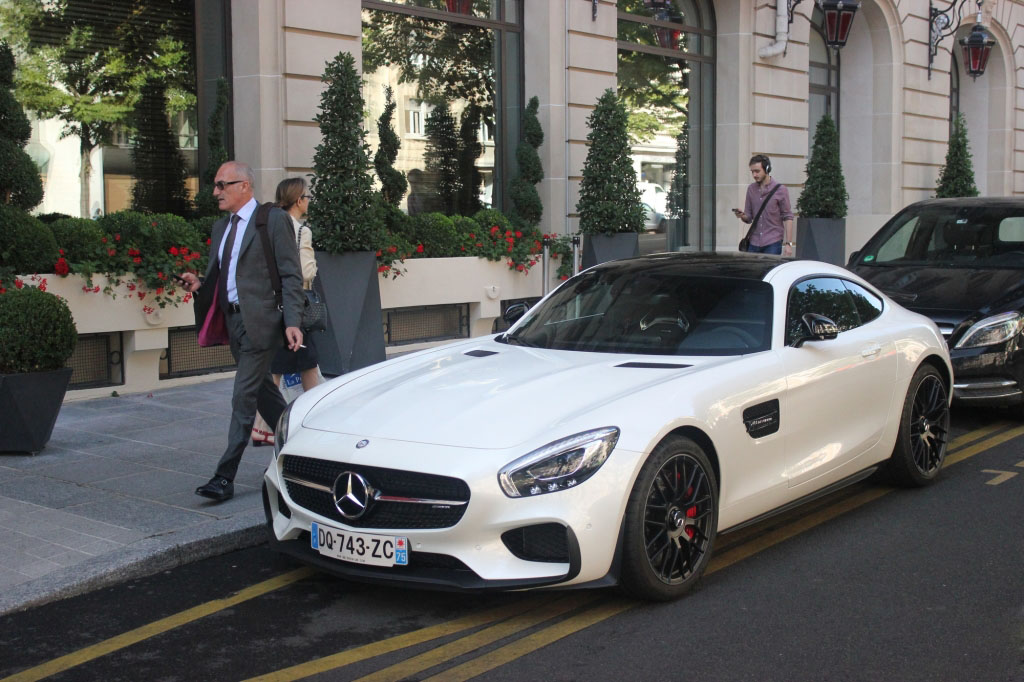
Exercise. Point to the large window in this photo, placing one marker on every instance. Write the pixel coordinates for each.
(119, 95)
(666, 57)
(454, 71)
(823, 71)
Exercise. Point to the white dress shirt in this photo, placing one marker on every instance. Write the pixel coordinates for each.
(244, 214)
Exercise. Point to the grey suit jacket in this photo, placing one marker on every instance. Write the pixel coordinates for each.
(260, 314)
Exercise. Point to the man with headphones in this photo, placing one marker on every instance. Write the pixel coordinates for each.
(768, 203)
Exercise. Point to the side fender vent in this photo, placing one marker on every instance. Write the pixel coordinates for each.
(762, 419)
(480, 353)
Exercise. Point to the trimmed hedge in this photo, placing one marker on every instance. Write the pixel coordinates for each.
(37, 331)
(26, 245)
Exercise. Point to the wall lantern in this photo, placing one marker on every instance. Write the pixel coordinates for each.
(976, 46)
(460, 6)
(838, 18)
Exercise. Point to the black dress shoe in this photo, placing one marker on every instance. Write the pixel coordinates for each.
(219, 489)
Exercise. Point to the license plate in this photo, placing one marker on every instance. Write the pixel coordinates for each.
(360, 548)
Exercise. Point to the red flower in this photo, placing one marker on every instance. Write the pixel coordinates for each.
(96, 289)
(42, 285)
(495, 229)
(419, 248)
(188, 297)
(479, 245)
(153, 223)
(508, 233)
(564, 277)
(117, 237)
(61, 251)
(159, 290)
(472, 236)
(111, 252)
(142, 295)
(383, 268)
(379, 253)
(207, 241)
(173, 250)
(136, 260)
(18, 284)
(161, 275)
(463, 248)
(184, 251)
(104, 240)
(518, 234)
(392, 249)
(131, 286)
(3, 291)
(61, 267)
(520, 267)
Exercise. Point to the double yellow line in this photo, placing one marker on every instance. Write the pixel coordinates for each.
(502, 622)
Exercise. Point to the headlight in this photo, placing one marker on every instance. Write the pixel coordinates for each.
(560, 465)
(991, 330)
(281, 432)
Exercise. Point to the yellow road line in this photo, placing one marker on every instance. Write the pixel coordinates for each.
(384, 646)
(113, 644)
(529, 644)
(513, 626)
(998, 439)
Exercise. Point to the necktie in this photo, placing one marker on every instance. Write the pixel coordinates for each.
(225, 264)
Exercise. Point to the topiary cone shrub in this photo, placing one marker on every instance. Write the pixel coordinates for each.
(20, 184)
(956, 178)
(37, 331)
(824, 194)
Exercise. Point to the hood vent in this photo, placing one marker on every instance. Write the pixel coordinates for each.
(653, 365)
(480, 353)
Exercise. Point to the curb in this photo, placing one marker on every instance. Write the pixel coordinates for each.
(145, 557)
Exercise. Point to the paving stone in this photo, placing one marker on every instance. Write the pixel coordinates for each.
(90, 470)
(143, 515)
(152, 484)
(46, 458)
(26, 564)
(245, 498)
(9, 578)
(74, 438)
(48, 492)
(130, 450)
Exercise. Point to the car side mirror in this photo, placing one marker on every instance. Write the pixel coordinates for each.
(514, 312)
(853, 259)
(816, 328)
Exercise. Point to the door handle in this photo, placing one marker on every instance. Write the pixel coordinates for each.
(871, 350)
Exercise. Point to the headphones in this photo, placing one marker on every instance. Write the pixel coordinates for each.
(765, 162)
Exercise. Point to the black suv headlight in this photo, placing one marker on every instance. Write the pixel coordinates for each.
(281, 432)
(560, 465)
(992, 330)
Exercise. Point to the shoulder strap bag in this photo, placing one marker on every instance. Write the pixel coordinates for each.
(314, 312)
(745, 242)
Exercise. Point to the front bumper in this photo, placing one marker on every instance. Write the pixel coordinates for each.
(991, 376)
(475, 553)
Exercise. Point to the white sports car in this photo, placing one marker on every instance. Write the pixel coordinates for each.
(638, 410)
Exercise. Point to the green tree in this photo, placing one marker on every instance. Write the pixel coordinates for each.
(160, 171)
(392, 181)
(87, 67)
(342, 213)
(441, 156)
(470, 150)
(216, 153)
(956, 178)
(20, 184)
(609, 198)
(824, 194)
(676, 201)
(527, 208)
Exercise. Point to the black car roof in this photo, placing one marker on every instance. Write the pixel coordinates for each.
(727, 264)
(1002, 202)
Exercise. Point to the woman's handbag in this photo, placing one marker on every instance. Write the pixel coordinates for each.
(314, 313)
(745, 242)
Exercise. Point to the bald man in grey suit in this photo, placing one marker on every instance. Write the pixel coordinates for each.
(254, 321)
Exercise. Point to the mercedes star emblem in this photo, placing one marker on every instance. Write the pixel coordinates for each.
(352, 494)
(362, 444)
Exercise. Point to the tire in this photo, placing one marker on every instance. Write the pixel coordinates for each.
(671, 521)
(662, 226)
(924, 430)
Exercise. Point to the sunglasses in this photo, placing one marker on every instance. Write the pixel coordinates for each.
(306, 196)
(220, 184)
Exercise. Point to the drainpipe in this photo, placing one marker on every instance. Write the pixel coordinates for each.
(781, 31)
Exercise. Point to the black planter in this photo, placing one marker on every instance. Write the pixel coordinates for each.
(600, 248)
(354, 338)
(29, 404)
(821, 239)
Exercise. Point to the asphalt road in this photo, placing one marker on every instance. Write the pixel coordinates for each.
(869, 584)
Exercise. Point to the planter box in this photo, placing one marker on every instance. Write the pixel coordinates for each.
(29, 404)
(601, 248)
(354, 337)
(821, 239)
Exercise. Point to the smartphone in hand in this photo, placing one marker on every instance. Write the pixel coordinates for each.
(180, 280)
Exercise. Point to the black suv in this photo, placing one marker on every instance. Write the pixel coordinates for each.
(961, 263)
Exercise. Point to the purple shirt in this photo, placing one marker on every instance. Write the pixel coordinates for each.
(769, 226)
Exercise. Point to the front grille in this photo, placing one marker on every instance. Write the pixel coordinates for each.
(392, 482)
(543, 542)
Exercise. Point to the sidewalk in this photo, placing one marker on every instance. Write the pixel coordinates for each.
(112, 495)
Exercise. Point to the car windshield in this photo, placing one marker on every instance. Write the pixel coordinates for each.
(974, 236)
(656, 312)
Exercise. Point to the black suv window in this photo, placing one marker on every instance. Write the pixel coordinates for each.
(826, 296)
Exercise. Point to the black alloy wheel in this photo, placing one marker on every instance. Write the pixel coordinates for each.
(671, 521)
(924, 430)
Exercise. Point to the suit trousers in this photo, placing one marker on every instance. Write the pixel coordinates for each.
(254, 389)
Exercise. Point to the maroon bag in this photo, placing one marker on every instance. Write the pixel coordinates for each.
(214, 330)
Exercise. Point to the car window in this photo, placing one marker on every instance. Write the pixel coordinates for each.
(950, 235)
(868, 305)
(826, 296)
(658, 312)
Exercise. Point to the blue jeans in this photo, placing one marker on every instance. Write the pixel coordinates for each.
(774, 247)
